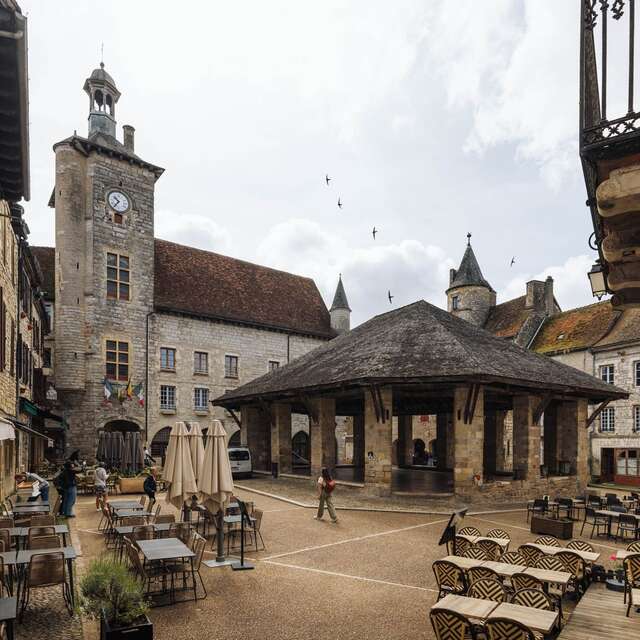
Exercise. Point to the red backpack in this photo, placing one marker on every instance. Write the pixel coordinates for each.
(330, 486)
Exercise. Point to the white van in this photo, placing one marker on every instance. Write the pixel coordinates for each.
(240, 459)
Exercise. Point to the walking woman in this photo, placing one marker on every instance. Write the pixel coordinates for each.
(326, 485)
(69, 487)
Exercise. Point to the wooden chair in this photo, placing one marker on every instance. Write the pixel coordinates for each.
(530, 554)
(450, 625)
(488, 589)
(469, 531)
(45, 570)
(39, 531)
(491, 548)
(449, 578)
(631, 566)
(142, 532)
(481, 573)
(513, 557)
(45, 542)
(547, 541)
(506, 629)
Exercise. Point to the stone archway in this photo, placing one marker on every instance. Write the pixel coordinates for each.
(121, 425)
(159, 444)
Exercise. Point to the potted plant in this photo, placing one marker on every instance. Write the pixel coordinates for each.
(111, 594)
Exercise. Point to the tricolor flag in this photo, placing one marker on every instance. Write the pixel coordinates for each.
(138, 391)
(129, 390)
(108, 391)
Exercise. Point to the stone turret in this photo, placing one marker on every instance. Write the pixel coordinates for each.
(340, 310)
(103, 95)
(469, 295)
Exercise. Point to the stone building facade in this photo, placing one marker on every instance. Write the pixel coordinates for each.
(147, 332)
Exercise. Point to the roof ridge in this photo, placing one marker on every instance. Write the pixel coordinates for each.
(575, 309)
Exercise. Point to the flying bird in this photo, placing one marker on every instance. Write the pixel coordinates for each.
(373, 233)
(513, 260)
(339, 204)
(390, 297)
(327, 179)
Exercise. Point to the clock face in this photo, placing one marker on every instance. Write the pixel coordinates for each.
(118, 201)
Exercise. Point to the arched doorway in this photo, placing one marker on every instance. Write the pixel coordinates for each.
(419, 448)
(300, 450)
(159, 444)
(234, 440)
(121, 425)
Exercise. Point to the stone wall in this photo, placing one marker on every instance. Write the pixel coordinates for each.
(8, 271)
(474, 303)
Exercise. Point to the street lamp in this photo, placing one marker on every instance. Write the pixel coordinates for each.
(597, 280)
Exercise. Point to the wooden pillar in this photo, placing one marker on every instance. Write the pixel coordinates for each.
(256, 423)
(442, 440)
(378, 414)
(358, 441)
(550, 438)
(583, 444)
(501, 453)
(489, 446)
(322, 428)
(405, 441)
(469, 438)
(281, 437)
(573, 439)
(526, 438)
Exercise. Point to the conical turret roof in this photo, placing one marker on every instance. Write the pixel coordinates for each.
(469, 273)
(340, 298)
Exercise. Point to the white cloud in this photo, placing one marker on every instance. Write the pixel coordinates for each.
(192, 229)
(570, 282)
(409, 269)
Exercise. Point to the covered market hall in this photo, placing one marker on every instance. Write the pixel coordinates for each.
(420, 359)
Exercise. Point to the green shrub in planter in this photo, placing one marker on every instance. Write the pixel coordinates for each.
(111, 594)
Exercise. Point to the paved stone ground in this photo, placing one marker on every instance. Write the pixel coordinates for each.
(368, 576)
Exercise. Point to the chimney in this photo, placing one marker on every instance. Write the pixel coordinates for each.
(535, 295)
(549, 302)
(129, 133)
(452, 276)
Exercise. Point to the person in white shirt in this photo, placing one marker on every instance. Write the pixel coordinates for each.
(100, 485)
(40, 487)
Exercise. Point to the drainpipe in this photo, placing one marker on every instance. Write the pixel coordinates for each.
(146, 379)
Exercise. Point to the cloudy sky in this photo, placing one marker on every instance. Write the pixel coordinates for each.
(433, 118)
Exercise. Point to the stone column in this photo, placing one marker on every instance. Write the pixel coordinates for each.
(281, 437)
(323, 435)
(441, 439)
(490, 435)
(550, 438)
(501, 453)
(526, 438)
(573, 438)
(256, 424)
(378, 442)
(405, 441)
(358, 444)
(469, 441)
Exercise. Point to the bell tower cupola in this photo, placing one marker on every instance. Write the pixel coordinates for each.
(469, 295)
(103, 96)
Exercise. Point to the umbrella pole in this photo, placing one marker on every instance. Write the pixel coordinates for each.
(220, 536)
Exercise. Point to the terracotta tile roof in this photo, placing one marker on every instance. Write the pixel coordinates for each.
(208, 284)
(46, 257)
(419, 343)
(626, 329)
(575, 329)
(506, 319)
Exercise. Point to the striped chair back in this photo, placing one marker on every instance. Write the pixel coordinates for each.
(513, 557)
(491, 548)
(498, 533)
(469, 531)
(488, 589)
(449, 625)
(631, 566)
(481, 573)
(634, 546)
(534, 598)
(573, 563)
(547, 541)
(475, 552)
(550, 563)
(525, 581)
(505, 629)
(580, 545)
(530, 554)
(449, 577)
(462, 544)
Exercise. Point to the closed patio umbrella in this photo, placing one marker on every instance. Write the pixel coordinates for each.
(182, 480)
(117, 442)
(177, 430)
(137, 453)
(125, 461)
(101, 451)
(216, 481)
(196, 446)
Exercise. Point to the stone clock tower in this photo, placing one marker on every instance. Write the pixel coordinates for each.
(104, 272)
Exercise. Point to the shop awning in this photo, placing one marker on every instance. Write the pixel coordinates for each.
(7, 430)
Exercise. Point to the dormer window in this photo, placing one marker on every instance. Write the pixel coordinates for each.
(455, 303)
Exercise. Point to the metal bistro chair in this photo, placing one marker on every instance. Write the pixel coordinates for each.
(634, 546)
(566, 505)
(39, 531)
(43, 521)
(628, 524)
(5, 540)
(513, 557)
(469, 531)
(481, 573)
(525, 581)
(491, 548)
(142, 532)
(6, 522)
(631, 566)
(597, 521)
(538, 506)
(450, 625)
(45, 570)
(5, 581)
(475, 553)
(462, 544)
(180, 530)
(530, 554)
(506, 629)
(45, 542)
(488, 589)
(449, 578)
(149, 574)
(574, 565)
(498, 533)
(556, 592)
(143, 500)
(580, 545)
(533, 598)
(547, 541)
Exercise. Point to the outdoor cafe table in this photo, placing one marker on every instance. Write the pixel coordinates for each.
(22, 533)
(164, 526)
(468, 607)
(536, 619)
(8, 614)
(614, 514)
(127, 513)
(125, 504)
(621, 554)
(587, 556)
(31, 508)
(503, 542)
